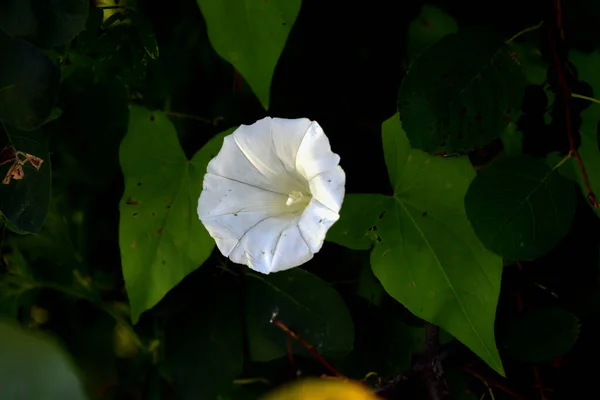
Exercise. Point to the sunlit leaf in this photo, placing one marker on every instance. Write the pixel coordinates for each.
(160, 236)
(251, 36)
(426, 254)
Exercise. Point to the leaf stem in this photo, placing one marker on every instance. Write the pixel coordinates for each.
(111, 7)
(580, 96)
(566, 93)
(562, 161)
(524, 31)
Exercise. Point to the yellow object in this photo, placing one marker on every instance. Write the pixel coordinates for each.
(322, 389)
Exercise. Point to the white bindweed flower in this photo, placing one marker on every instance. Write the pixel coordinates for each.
(271, 194)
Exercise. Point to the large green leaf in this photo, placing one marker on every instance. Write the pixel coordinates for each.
(431, 25)
(47, 23)
(305, 304)
(160, 236)
(426, 254)
(204, 346)
(541, 335)
(24, 202)
(460, 92)
(519, 207)
(587, 68)
(251, 36)
(33, 366)
(28, 84)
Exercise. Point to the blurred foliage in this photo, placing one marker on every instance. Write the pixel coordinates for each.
(467, 207)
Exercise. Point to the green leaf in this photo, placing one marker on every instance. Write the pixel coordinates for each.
(519, 207)
(431, 25)
(251, 36)
(46, 23)
(302, 302)
(512, 140)
(29, 84)
(460, 93)
(33, 366)
(24, 202)
(543, 334)
(426, 254)
(587, 68)
(160, 236)
(204, 347)
(354, 229)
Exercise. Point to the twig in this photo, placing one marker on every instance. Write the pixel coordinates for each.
(580, 96)
(524, 31)
(566, 94)
(308, 347)
(187, 116)
(490, 382)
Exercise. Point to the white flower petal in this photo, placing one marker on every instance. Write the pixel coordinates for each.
(287, 135)
(271, 193)
(328, 188)
(233, 164)
(271, 146)
(229, 209)
(274, 244)
(314, 223)
(314, 154)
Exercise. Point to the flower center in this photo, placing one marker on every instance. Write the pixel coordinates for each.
(298, 198)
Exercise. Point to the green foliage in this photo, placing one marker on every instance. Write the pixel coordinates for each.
(519, 207)
(459, 93)
(587, 67)
(47, 23)
(204, 347)
(28, 84)
(426, 254)
(302, 300)
(160, 237)
(112, 110)
(543, 334)
(251, 36)
(431, 25)
(34, 367)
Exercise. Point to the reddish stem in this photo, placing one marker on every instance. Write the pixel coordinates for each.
(308, 347)
(566, 94)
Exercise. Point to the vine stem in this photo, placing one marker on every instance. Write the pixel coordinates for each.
(566, 93)
(79, 295)
(580, 96)
(187, 116)
(307, 346)
(489, 383)
(524, 31)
